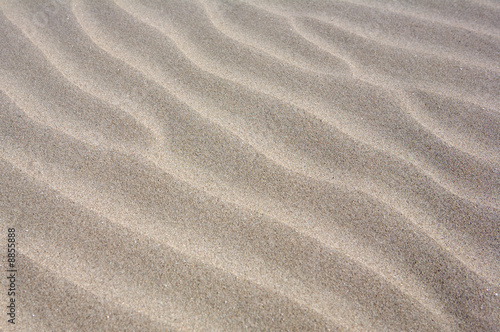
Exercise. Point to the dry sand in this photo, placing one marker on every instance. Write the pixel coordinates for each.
(227, 165)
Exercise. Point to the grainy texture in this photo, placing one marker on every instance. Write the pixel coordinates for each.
(267, 165)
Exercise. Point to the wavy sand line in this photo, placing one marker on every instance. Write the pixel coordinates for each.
(235, 186)
(434, 173)
(235, 23)
(95, 194)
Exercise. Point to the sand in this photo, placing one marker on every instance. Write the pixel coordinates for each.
(264, 165)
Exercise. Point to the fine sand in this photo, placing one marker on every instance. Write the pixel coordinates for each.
(264, 165)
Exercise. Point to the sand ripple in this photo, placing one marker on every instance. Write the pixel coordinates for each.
(262, 165)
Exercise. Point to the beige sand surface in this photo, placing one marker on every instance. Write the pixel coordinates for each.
(264, 165)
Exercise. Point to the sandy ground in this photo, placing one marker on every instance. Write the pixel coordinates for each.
(265, 165)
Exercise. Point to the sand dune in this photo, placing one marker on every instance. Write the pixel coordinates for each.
(237, 165)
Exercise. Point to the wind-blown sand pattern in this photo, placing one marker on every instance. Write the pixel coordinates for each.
(203, 165)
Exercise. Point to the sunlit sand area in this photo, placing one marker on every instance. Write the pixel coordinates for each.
(262, 165)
